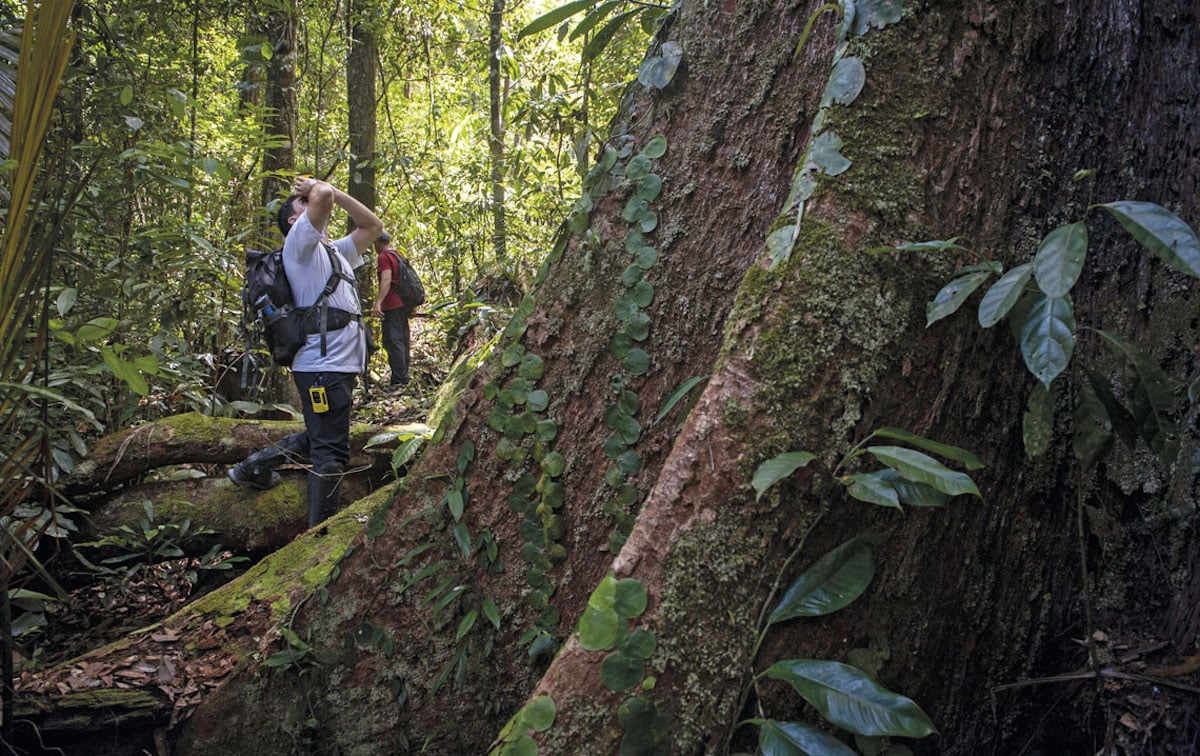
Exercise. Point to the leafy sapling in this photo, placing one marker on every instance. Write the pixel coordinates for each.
(1036, 298)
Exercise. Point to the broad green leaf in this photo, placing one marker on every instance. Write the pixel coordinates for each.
(849, 699)
(595, 16)
(553, 464)
(912, 493)
(491, 612)
(656, 147)
(1089, 436)
(678, 394)
(629, 600)
(846, 81)
(467, 623)
(631, 275)
(126, 95)
(1038, 423)
(1059, 259)
(952, 296)
(539, 713)
(796, 739)
(637, 362)
(66, 300)
(551, 18)
(620, 671)
(406, 452)
(462, 536)
(537, 400)
(641, 644)
(1048, 336)
(1003, 294)
(657, 71)
(826, 153)
(650, 185)
(1161, 231)
(777, 468)
(600, 39)
(598, 628)
(922, 468)
(126, 372)
(779, 244)
(876, 14)
(969, 460)
(645, 258)
(871, 488)
(831, 583)
(455, 502)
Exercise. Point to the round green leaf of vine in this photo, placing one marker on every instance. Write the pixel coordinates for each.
(648, 222)
(631, 275)
(634, 240)
(649, 187)
(512, 355)
(639, 166)
(538, 401)
(639, 644)
(656, 147)
(627, 494)
(532, 367)
(624, 307)
(539, 713)
(635, 208)
(547, 430)
(629, 462)
(619, 345)
(598, 628)
(620, 672)
(630, 599)
(614, 446)
(553, 464)
(638, 328)
(630, 402)
(637, 362)
(642, 293)
(645, 257)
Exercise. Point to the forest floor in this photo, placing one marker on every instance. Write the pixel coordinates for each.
(110, 604)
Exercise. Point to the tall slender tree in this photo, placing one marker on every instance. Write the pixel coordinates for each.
(496, 130)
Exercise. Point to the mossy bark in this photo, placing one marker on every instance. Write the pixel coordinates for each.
(971, 123)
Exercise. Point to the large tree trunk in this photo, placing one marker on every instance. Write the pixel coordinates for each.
(971, 123)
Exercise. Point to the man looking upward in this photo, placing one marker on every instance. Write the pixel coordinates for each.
(327, 366)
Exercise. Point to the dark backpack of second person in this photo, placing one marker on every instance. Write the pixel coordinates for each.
(269, 307)
(407, 284)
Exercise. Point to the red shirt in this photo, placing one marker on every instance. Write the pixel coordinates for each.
(388, 261)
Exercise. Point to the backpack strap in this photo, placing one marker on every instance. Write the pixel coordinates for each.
(335, 279)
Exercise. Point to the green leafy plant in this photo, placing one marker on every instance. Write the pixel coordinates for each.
(613, 14)
(843, 694)
(1036, 298)
(515, 737)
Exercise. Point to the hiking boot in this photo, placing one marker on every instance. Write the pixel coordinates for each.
(261, 481)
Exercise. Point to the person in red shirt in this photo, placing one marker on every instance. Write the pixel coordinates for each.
(394, 312)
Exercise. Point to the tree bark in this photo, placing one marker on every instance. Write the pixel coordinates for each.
(279, 27)
(972, 123)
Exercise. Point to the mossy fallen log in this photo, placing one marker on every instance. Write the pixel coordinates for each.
(192, 438)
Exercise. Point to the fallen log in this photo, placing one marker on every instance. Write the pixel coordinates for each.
(192, 438)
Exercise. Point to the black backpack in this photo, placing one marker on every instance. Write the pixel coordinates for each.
(269, 308)
(407, 284)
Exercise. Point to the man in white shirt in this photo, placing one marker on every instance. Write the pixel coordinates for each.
(326, 368)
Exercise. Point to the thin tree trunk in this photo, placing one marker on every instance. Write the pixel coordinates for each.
(496, 131)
